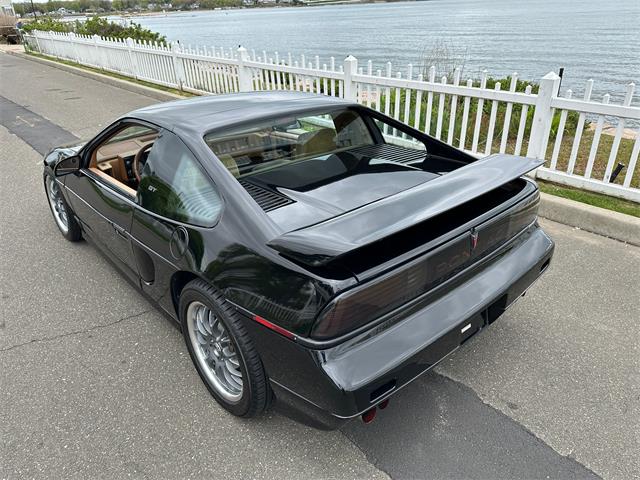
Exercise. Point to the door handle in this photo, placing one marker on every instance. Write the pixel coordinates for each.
(120, 231)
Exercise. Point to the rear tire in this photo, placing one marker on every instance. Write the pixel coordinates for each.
(222, 351)
(62, 214)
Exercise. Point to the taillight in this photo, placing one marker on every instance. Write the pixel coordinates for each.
(374, 299)
(357, 309)
(369, 301)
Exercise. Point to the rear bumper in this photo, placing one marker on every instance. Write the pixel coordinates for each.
(336, 384)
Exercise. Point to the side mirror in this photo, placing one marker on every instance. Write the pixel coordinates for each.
(67, 165)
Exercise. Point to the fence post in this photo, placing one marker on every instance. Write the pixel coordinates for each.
(74, 47)
(35, 35)
(543, 116)
(133, 60)
(245, 80)
(177, 65)
(99, 62)
(53, 43)
(350, 69)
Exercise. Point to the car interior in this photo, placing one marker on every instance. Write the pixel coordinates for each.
(119, 160)
(268, 146)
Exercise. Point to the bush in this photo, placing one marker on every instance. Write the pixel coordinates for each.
(97, 26)
(47, 24)
(101, 26)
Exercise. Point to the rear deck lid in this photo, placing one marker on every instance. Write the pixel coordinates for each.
(327, 240)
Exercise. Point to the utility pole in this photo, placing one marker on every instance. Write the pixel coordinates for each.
(33, 9)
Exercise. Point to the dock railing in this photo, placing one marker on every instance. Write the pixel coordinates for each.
(586, 144)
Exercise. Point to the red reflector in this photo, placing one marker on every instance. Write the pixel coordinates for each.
(369, 415)
(274, 327)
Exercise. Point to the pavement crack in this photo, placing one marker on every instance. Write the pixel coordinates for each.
(75, 332)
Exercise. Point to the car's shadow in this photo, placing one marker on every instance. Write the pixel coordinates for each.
(438, 428)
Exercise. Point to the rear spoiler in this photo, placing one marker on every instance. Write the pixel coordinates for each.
(323, 242)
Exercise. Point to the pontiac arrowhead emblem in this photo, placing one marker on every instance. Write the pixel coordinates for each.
(474, 239)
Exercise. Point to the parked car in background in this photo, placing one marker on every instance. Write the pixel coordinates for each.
(313, 251)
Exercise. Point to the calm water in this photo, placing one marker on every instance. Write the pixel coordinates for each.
(589, 38)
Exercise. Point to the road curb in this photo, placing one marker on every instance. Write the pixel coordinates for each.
(608, 223)
(116, 82)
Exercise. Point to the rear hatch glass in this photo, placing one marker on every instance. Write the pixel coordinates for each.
(307, 168)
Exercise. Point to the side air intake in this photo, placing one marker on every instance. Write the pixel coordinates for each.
(267, 199)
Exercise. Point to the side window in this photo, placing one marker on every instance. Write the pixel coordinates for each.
(113, 160)
(173, 184)
(396, 137)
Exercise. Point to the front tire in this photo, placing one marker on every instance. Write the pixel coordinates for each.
(222, 351)
(62, 213)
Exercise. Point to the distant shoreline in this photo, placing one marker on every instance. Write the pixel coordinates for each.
(164, 13)
(317, 3)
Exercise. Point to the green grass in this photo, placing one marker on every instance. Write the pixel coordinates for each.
(114, 75)
(601, 159)
(595, 199)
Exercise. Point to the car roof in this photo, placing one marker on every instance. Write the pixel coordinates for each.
(196, 116)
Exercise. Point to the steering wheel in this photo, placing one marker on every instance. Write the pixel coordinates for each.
(137, 161)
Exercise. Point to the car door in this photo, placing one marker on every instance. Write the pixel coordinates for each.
(106, 213)
(176, 203)
(105, 207)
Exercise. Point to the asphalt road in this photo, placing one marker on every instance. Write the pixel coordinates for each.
(94, 382)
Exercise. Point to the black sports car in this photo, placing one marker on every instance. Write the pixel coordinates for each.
(313, 251)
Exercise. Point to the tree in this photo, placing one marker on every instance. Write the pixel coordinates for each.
(105, 5)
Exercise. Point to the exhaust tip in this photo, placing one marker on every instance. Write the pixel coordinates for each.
(369, 415)
(383, 404)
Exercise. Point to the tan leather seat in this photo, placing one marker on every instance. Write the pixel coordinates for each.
(316, 142)
(119, 171)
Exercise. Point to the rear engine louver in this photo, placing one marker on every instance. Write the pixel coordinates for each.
(267, 199)
(392, 153)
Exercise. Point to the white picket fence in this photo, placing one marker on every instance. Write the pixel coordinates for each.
(531, 124)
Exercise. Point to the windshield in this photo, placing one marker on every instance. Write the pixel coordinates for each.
(273, 144)
(133, 131)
